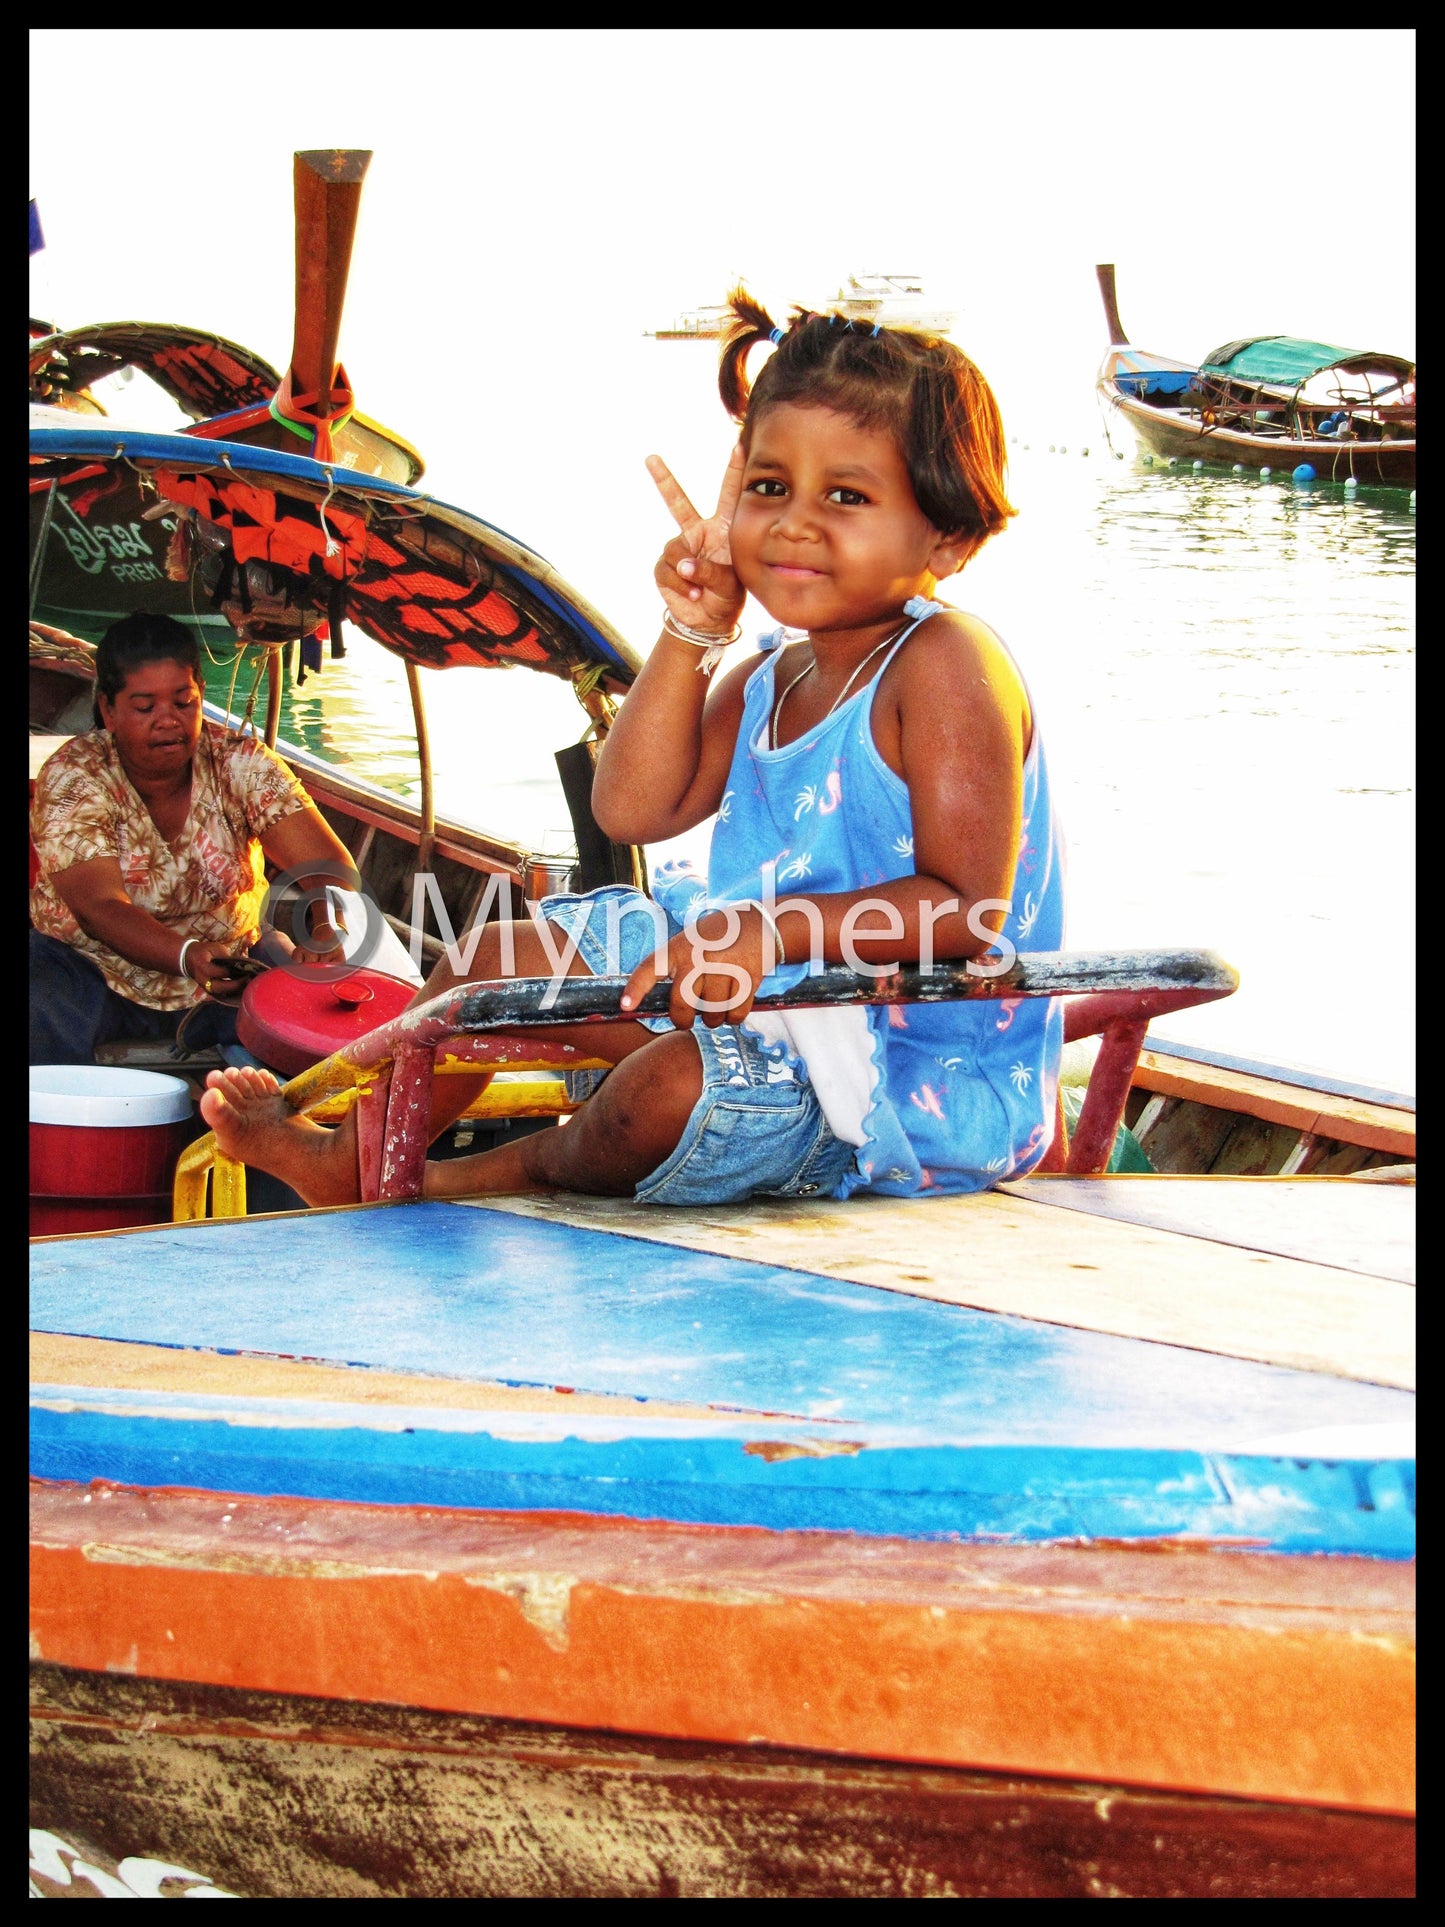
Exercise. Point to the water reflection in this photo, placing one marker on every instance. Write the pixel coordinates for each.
(1223, 671)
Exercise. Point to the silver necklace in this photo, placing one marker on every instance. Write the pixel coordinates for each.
(841, 695)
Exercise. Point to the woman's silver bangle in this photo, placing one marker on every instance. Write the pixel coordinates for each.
(181, 960)
(711, 644)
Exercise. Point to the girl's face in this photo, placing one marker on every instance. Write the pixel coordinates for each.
(828, 534)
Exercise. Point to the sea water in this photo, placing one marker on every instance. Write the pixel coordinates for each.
(1222, 669)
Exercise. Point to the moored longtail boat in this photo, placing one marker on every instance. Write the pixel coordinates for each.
(1055, 1540)
(1269, 401)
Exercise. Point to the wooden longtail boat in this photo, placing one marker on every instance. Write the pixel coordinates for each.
(1055, 1540)
(1266, 402)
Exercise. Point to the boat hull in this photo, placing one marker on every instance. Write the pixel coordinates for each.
(1014, 1546)
(400, 1802)
(1168, 432)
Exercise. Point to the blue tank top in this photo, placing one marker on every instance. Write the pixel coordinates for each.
(951, 1097)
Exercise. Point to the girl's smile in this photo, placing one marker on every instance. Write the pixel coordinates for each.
(828, 534)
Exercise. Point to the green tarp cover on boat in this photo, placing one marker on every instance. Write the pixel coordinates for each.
(1279, 360)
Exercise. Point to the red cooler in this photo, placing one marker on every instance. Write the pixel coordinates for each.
(103, 1146)
(292, 1021)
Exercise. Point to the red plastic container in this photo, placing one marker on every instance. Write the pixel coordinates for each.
(65, 1217)
(292, 1022)
(103, 1146)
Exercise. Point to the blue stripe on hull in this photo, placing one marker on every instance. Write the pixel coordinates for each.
(907, 1417)
(930, 1492)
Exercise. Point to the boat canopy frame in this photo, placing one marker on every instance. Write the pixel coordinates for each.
(1286, 363)
(431, 583)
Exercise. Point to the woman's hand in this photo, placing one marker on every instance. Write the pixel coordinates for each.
(715, 968)
(695, 570)
(206, 966)
(324, 944)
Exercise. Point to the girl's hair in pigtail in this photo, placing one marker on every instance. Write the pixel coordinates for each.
(745, 324)
(919, 387)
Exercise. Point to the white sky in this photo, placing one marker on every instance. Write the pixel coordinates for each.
(550, 183)
(539, 198)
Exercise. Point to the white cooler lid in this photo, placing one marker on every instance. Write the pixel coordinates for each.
(105, 1097)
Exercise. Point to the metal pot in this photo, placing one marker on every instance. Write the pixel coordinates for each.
(544, 876)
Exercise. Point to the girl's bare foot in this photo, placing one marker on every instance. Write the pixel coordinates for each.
(254, 1123)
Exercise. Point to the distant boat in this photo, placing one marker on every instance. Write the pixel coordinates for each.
(696, 324)
(1269, 401)
(891, 301)
(886, 300)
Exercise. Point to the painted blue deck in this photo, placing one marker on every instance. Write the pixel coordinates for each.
(973, 1423)
(444, 1289)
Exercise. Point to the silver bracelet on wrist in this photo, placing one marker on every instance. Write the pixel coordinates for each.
(181, 960)
(779, 954)
(711, 644)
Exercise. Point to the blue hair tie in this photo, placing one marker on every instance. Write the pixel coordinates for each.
(877, 330)
(776, 335)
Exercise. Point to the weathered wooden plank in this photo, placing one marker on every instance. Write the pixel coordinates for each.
(1353, 1227)
(298, 1798)
(1377, 1127)
(1011, 1254)
(1263, 1676)
(1255, 1149)
(1293, 1074)
(57, 1359)
(1185, 1139)
(1327, 1160)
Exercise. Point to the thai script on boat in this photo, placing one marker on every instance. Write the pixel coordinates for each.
(119, 546)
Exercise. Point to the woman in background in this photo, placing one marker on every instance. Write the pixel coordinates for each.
(152, 835)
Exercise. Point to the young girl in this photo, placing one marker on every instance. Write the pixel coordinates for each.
(880, 793)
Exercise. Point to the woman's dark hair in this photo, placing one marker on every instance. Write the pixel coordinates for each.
(919, 387)
(133, 642)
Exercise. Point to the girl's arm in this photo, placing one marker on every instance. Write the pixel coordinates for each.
(951, 718)
(664, 764)
(665, 760)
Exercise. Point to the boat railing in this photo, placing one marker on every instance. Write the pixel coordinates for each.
(503, 1027)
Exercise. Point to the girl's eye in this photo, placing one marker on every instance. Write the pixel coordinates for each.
(848, 498)
(767, 485)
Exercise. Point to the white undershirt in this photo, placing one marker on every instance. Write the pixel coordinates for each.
(837, 1047)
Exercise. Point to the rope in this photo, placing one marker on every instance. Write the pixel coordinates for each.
(235, 672)
(585, 680)
(247, 721)
(333, 547)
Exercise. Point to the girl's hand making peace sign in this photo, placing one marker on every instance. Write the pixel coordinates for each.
(695, 570)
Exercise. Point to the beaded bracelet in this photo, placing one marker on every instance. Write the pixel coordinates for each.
(711, 644)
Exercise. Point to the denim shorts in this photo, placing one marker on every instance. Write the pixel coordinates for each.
(757, 1130)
